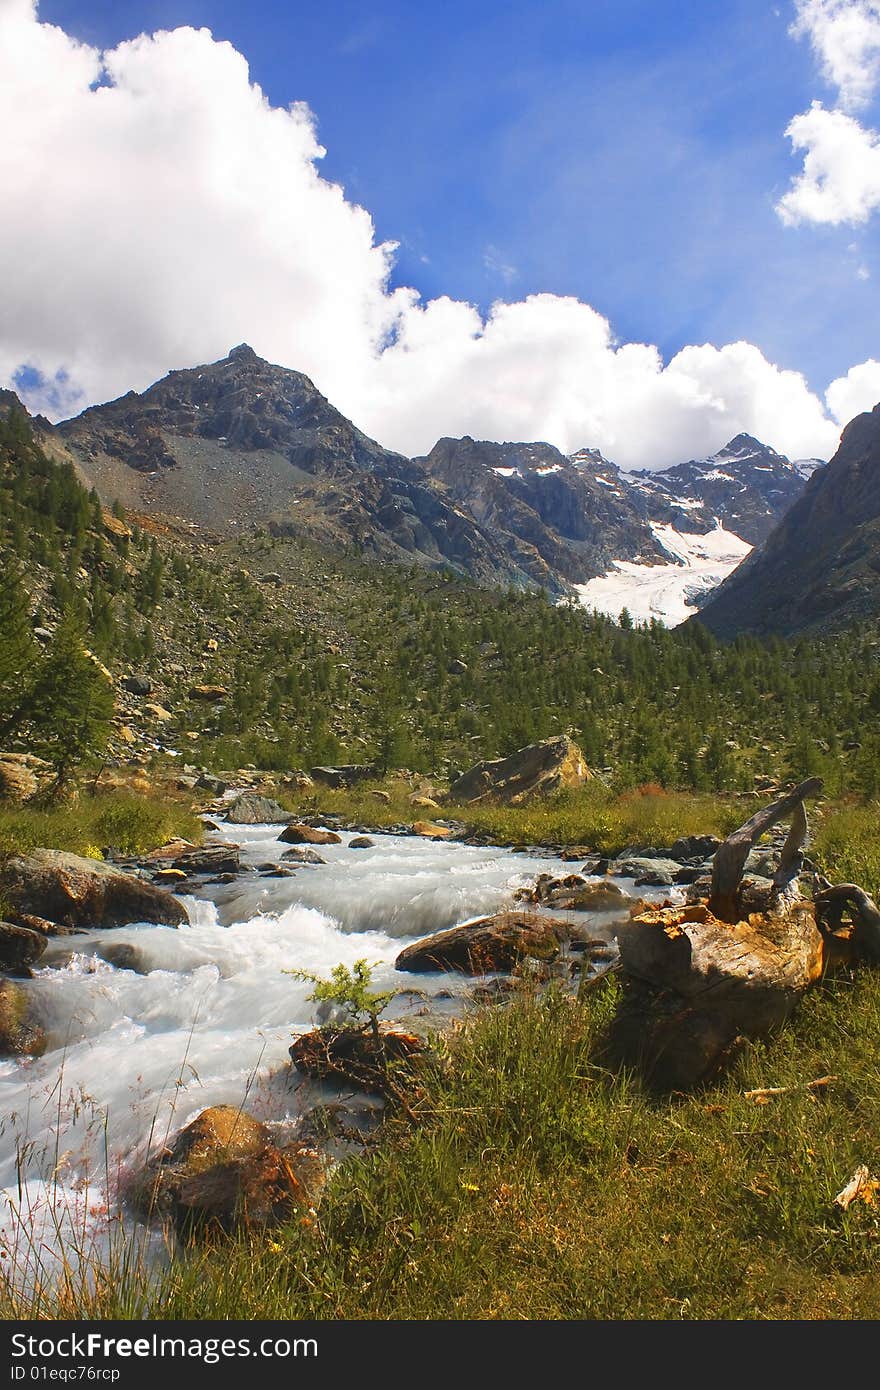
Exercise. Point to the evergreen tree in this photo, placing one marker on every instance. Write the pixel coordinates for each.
(19, 654)
(72, 703)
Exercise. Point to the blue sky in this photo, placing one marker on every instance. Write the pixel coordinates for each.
(630, 155)
(626, 152)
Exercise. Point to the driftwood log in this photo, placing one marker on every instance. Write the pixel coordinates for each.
(731, 855)
(699, 978)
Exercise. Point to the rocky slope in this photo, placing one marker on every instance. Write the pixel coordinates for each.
(241, 443)
(820, 567)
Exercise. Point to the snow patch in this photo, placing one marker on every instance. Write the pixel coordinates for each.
(667, 593)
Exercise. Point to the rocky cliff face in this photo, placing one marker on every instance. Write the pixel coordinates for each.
(577, 523)
(820, 567)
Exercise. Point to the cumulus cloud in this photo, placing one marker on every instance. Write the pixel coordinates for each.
(840, 181)
(157, 209)
(845, 37)
(856, 392)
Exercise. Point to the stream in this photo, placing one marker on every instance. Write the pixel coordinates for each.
(184, 1018)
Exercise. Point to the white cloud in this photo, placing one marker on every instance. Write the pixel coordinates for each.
(856, 392)
(840, 181)
(845, 37)
(841, 175)
(156, 210)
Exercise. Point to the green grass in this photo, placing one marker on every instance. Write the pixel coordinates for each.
(592, 815)
(537, 1186)
(118, 820)
(847, 845)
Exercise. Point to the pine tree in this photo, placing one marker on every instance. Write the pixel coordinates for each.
(72, 703)
(19, 654)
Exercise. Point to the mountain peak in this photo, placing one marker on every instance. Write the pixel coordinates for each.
(742, 443)
(243, 353)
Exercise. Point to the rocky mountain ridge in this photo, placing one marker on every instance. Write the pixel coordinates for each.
(241, 443)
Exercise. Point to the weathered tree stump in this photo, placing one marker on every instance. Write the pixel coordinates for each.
(699, 978)
(694, 985)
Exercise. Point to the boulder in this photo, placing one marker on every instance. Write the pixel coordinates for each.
(303, 856)
(533, 771)
(430, 831)
(159, 713)
(346, 776)
(352, 1056)
(210, 859)
(425, 803)
(652, 873)
(575, 894)
(20, 1034)
(252, 809)
(690, 847)
(137, 685)
(361, 842)
(18, 776)
(298, 834)
(206, 782)
(223, 1171)
(488, 944)
(210, 693)
(78, 892)
(20, 946)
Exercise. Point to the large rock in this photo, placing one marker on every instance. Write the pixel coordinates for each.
(210, 859)
(19, 946)
(303, 856)
(575, 893)
(78, 892)
(429, 831)
(346, 776)
(20, 1034)
(252, 809)
(298, 834)
(488, 944)
(223, 1170)
(20, 776)
(352, 1056)
(137, 684)
(648, 871)
(536, 770)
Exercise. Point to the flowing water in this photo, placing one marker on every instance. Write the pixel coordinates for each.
(142, 1039)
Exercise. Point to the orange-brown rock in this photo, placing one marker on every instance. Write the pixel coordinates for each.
(80, 892)
(223, 1170)
(489, 944)
(429, 831)
(298, 834)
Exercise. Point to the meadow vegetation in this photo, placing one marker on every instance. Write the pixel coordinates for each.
(535, 1185)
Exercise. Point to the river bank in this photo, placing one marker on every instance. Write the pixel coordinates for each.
(531, 1180)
